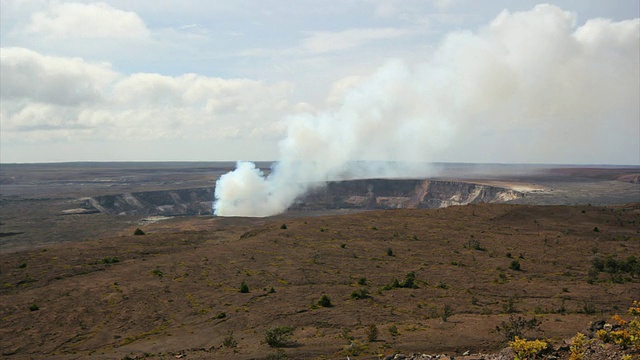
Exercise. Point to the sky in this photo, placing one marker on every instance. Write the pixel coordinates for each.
(197, 80)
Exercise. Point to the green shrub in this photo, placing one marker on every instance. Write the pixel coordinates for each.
(244, 288)
(393, 330)
(372, 333)
(278, 336)
(324, 301)
(283, 226)
(362, 281)
(34, 307)
(389, 251)
(474, 244)
(138, 232)
(360, 294)
(447, 312)
(515, 265)
(157, 272)
(409, 281)
(22, 265)
(109, 260)
(229, 341)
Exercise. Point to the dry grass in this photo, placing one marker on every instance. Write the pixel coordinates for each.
(107, 310)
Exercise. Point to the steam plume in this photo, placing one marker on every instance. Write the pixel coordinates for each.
(529, 87)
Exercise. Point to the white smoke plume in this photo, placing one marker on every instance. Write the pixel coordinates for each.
(529, 87)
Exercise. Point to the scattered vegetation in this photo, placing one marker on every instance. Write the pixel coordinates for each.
(278, 336)
(138, 232)
(360, 294)
(626, 333)
(616, 268)
(409, 282)
(109, 260)
(517, 326)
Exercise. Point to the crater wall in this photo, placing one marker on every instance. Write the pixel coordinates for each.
(352, 194)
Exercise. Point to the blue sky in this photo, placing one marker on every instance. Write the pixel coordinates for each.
(229, 80)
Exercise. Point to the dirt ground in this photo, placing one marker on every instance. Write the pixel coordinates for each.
(175, 292)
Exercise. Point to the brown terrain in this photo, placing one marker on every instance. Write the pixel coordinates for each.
(76, 283)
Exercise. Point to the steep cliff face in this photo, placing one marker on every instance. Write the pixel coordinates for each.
(352, 194)
(196, 201)
(401, 193)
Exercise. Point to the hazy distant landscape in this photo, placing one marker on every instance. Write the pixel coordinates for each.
(43, 203)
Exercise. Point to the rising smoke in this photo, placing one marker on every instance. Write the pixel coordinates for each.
(529, 87)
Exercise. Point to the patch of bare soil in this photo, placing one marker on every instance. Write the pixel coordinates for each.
(430, 281)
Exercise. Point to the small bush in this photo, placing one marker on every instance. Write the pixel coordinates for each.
(446, 312)
(244, 288)
(278, 336)
(283, 226)
(389, 251)
(138, 232)
(372, 333)
(109, 260)
(362, 281)
(515, 265)
(324, 301)
(409, 281)
(525, 349)
(626, 333)
(589, 308)
(221, 315)
(34, 307)
(22, 265)
(229, 341)
(157, 272)
(474, 244)
(360, 294)
(393, 330)
(517, 327)
(578, 346)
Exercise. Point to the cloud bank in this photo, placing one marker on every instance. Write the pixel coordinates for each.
(528, 87)
(60, 97)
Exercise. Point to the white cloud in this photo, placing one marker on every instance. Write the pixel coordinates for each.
(77, 20)
(27, 75)
(48, 97)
